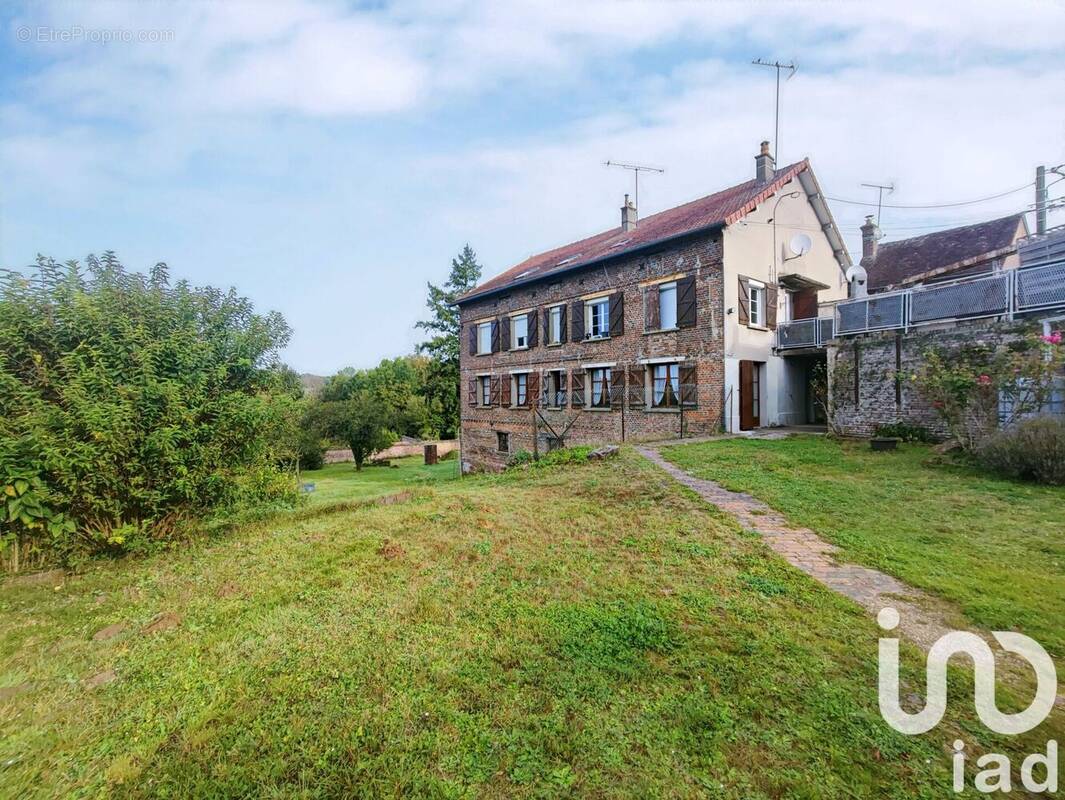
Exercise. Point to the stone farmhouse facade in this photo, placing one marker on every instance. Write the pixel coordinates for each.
(658, 328)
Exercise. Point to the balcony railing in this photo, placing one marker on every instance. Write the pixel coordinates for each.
(805, 333)
(1005, 294)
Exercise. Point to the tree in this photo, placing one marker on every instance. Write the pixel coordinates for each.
(443, 347)
(359, 420)
(398, 386)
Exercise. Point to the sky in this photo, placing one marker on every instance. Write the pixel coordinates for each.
(328, 159)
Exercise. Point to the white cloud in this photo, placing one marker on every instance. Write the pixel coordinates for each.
(359, 147)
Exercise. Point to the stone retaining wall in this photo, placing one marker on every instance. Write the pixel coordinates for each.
(871, 376)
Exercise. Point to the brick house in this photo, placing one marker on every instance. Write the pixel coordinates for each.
(656, 328)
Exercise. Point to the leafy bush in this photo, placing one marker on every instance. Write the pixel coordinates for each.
(905, 431)
(969, 386)
(564, 455)
(128, 404)
(1033, 449)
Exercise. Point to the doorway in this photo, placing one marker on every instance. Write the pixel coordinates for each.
(750, 395)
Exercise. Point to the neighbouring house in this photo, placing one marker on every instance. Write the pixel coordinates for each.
(980, 249)
(659, 327)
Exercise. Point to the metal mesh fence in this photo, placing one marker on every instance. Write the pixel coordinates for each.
(976, 298)
(826, 329)
(872, 314)
(1041, 287)
(801, 333)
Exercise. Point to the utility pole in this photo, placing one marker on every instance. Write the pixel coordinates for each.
(1040, 200)
(880, 197)
(758, 62)
(636, 170)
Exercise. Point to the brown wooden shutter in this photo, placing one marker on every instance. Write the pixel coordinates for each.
(504, 396)
(745, 301)
(493, 384)
(771, 306)
(617, 314)
(652, 315)
(637, 374)
(504, 334)
(562, 329)
(545, 388)
(617, 387)
(473, 392)
(689, 388)
(532, 389)
(577, 321)
(473, 339)
(686, 305)
(576, 388)
(495, 336)
(533, 337)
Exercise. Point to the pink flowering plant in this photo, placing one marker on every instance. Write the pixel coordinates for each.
(972, 386)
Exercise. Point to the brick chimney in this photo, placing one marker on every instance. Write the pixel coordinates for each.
(870, 237)
(628, 215)
(764, 166)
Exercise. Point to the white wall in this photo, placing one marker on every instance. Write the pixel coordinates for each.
(748, 251)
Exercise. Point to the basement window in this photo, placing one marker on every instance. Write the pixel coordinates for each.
(503, 441)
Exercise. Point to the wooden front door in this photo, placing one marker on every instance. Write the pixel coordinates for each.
(750, 396)
(804, 304)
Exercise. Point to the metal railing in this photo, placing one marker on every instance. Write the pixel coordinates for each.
(803, 333)
(1005, 294)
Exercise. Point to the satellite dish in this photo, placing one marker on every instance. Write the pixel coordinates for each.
(857, 274)
(800, 244)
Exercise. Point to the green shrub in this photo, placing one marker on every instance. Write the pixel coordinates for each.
(1033, 449)
(564, 455)
(128, 404)
(906, 431)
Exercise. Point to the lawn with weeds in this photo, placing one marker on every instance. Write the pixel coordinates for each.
(343, 483)
(995, 547)
(582, 630)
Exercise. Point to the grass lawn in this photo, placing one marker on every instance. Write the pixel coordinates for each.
(341, 482)
(995, 547)
(590, 630)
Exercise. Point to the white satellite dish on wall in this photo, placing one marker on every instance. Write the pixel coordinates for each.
(800, 244)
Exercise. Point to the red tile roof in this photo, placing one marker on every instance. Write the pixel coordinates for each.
(722, 208)
(908, 260)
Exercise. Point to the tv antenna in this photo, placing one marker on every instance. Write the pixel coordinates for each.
(636, 170)
(792, 66)
(880, 187)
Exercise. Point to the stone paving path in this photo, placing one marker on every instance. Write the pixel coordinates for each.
(923, 618)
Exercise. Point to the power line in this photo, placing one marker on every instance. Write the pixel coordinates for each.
(935, 205)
